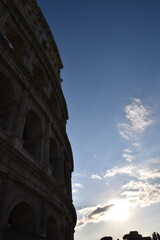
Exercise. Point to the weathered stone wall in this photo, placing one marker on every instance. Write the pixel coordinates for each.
(35, 154)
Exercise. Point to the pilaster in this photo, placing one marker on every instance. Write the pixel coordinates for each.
(46, 146)
(19, 116)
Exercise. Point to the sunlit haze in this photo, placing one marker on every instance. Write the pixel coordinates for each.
(110, 50)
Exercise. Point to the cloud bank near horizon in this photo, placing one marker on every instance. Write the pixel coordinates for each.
(140, 185)
(142, 190)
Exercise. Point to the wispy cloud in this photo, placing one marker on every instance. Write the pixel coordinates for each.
(140, 172)
(76, 187)
(141, 193)
(137, 119)
(136, 144)
(95, 177)
(127, 169)
(74, 191)
(127, 155)
(77, 174)
(143, 189)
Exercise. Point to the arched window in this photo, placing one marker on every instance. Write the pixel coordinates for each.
(19, 45)
(54, 159)
(52, 229)
(32, 134)
(15, 41)
(7, 100)
(21, 219)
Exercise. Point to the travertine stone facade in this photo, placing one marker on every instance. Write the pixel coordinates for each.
(35, 154)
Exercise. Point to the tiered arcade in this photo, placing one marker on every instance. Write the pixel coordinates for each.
(35, 154)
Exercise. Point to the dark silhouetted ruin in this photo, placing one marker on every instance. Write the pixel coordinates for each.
(36, 158)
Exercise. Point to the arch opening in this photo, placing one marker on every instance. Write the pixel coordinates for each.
(15, 41)
(32, 134)
(19, 45)
(21, 219)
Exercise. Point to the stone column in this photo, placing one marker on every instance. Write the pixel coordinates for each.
(42, 224)
(69, 185)
(62, 228)
(56, 168)
(61, 171)
(70, 233)
(10, 121)
(67, 179)
(18, 121)
(46, 145)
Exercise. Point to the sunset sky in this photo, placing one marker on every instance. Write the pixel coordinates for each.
(111, 81)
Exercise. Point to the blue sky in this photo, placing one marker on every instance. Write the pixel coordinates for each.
(111, 55)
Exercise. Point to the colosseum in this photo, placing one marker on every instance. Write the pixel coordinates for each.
(36, 160)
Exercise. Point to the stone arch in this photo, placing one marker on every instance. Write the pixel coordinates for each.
(15, 41)
(54, 159)
(21, 219)
(7, 101)
(32, 134)
(52, 229)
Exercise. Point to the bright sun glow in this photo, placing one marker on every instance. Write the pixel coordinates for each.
(120, 210)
